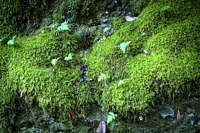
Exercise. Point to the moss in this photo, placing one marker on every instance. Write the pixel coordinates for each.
(78, 10)
(170, 71)
(6, 92)
(15, 15)
(30, 72)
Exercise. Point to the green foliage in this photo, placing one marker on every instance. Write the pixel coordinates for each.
(102, 77)
(165, 8)
(106, 29)
(111, 116)
(7, 93)
(69, 57)
(63, 26)
(12, 41)
(53, 61)
(123, 46)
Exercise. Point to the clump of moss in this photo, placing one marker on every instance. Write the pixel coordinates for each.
(7, 93)
(170, 71)
(55, 87)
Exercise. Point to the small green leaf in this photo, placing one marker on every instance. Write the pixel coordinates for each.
(123, 46)
(121, 82)
(53, 61)
(164, 8)
(102, 77)
(69, 57)
(12, 41)
(63, 26)
(111, 116)
(106, 29)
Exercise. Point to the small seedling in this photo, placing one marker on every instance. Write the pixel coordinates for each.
(123, 46)
(69, 57)
(63, 26)
(165, 8)
(12, 41)
(111, 116)
(102, 77)
(53, 61)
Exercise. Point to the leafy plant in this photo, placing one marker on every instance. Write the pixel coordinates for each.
(123, 46)
(165, 8)
(102, 77)
(63, 26)
(53, 61)
(12, 41)
(106, 29)
(111, 116)
(121, 82)
(69, 57)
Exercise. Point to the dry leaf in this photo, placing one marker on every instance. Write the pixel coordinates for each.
(178, 116)
(101, 128)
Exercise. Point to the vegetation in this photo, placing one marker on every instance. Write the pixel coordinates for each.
(47, 67)
(18, 15)
(168, 73)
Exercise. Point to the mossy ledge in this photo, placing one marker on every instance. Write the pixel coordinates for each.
(171, 71)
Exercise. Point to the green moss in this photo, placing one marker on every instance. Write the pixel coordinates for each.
(6, 92)
(30, 72)
(16, 14)
(78, 10)
(170, 71)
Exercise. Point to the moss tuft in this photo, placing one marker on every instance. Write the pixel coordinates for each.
(56, 88)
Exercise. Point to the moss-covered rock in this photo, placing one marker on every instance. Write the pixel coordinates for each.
(55, 87)
(120, 81)
(170, 31)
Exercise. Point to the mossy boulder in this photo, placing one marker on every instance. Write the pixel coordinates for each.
(169, 30)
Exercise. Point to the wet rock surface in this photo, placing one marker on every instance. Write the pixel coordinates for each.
(36, 121)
